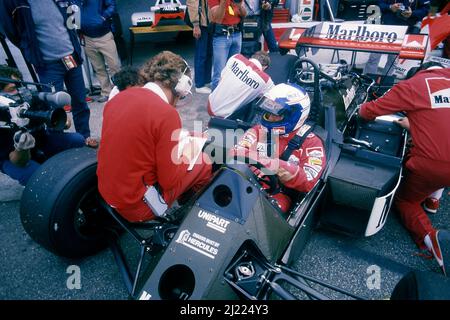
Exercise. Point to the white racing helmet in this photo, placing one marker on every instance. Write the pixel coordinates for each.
(289, 101)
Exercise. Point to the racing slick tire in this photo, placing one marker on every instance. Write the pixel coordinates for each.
(60, 205)
(422, 285)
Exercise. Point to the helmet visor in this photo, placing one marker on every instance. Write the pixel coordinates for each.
(270, 106)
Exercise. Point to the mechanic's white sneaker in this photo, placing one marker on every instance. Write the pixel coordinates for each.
(438, 242)
(431, 205)
(204, 90)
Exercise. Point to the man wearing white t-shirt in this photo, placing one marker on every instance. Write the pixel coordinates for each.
(242, 80)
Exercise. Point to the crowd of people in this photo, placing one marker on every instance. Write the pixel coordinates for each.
(143, 102)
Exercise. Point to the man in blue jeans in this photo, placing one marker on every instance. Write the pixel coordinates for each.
(263, 10)
(47, 38)
(227, 36)
(20, 151)
(198, 14)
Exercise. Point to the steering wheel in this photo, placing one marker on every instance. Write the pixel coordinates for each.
(269, 177)
(302, 75)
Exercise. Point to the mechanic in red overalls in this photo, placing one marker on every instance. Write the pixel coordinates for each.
(286, 110)
(425, 98)
(140, 135)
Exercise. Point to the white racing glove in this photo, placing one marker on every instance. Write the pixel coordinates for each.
(23, 141)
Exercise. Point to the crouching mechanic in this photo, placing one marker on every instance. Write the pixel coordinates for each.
(144, 152)
(22, 151)
(426, 100)
(298, 157)
(242, 80)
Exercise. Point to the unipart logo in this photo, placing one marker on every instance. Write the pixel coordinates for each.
(439, 92)
(360, 34)
(213, 221)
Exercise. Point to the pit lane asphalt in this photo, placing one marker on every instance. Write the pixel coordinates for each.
(27, 271)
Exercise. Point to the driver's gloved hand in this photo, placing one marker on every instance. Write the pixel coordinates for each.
(23, 141)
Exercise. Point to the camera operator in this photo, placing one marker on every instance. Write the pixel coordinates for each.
(263, 10)
(144, 153)
(21, 151)
(40, 29)
(425, 99)
(398, 13)
(226, 15)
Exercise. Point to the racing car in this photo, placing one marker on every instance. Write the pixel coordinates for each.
(163, 12)
(231, 240)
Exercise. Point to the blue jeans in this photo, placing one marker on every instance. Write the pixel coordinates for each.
(50, 144)
(270, 39)
(223, 48)
(203, 58)
(55, 73)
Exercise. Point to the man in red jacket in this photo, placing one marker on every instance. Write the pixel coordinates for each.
(287, 108)
(140, 134)
(426, 100)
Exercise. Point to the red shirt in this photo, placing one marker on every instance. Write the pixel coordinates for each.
(426, 100)
(228, 19)
(137, 145)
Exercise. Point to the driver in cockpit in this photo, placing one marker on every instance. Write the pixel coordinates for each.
(284, 143)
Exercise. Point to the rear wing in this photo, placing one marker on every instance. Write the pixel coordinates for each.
(358, 37)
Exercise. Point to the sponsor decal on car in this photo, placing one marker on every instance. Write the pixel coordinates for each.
(199, 243)
(362, 33)
(213, 221)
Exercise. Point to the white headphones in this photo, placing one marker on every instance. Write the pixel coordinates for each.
(184, 84)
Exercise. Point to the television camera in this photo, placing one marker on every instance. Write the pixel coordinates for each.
(30, 110)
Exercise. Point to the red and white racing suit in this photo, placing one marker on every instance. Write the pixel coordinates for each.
(242, 80)
(426, 100)
(304, 166)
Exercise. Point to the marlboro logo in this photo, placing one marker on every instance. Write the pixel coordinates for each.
(360, 33)
(439, 92)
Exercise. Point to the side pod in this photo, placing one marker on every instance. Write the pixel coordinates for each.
(231, 211)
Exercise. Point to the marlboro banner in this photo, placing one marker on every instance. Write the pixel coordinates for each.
(305, 10)
(363, 33)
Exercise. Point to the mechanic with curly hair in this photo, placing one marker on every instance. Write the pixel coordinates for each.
(286, 109)
(140, 141)
(425, 98)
